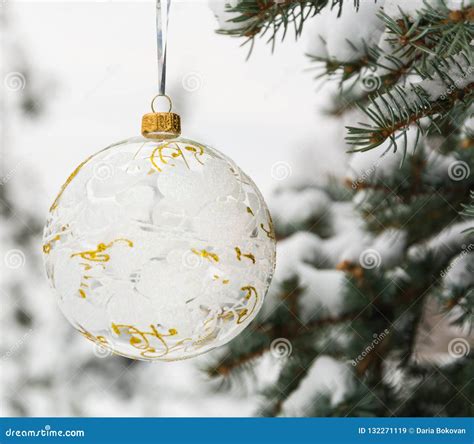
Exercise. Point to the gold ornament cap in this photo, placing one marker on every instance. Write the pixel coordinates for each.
(163, 125)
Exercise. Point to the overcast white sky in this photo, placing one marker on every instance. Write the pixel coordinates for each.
(102, 58)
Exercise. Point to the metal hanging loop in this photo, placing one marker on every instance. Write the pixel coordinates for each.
(168, 98)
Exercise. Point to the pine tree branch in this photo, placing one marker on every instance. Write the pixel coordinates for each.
(391, 114)
(240, 352)
(433, 390)
(413, 198)
(469, 211)
(329, 321)
(425, 80)
(438, 31)
(463, 301)
(342, 71)
(361, 81)
(227, 366)
(272, 17)
(294, 370)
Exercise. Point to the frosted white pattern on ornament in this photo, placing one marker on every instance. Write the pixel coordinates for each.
(159, 249)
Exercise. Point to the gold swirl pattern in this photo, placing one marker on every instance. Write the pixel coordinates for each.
(270, 231)
(175, 152)
(242, 313)
(206, 255)
(246, 313)
(101, 340)
(210, 210)
(170, 151)
(216, 277)
(240, 255)
(68, 181)
(98, 256)
(197, 151)
(48, 245)
(140, 340)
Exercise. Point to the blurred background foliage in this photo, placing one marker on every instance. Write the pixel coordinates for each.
(371, 307)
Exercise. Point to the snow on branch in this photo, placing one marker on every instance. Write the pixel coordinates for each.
(392, 113)
(252, 18)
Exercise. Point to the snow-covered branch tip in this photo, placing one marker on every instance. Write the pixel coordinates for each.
(439, 31)
(360, 278)
(258, 18)
(469, 212)
(392, 113)
(410, 45)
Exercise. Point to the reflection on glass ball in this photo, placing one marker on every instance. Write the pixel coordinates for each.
(159, 249)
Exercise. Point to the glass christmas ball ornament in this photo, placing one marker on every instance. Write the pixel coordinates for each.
(159, 247)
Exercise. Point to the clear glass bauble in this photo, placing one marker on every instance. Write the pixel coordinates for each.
(159, 249)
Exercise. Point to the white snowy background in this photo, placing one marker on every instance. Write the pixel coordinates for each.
(94, 64)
